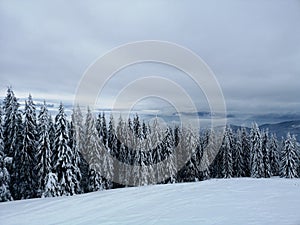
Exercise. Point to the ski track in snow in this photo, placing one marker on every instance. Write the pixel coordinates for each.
(239, 201)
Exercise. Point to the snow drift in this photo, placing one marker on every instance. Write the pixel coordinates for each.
(228, 201)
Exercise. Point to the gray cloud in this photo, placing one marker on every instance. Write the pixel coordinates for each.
(252, 46)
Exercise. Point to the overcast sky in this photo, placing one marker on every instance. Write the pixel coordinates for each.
(253, 47)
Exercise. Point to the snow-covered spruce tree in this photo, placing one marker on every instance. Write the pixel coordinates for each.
(51, 132)
(12, 123)
(107, 168)
(44, 153)
(238, 156)
(76, 159)
(209, 151)
(168, 148)
(265, 152)
(99, 123)
(156, 149)
(93, 147)
(189, 172)
(137, 126)
(139, 164)
(52, 186)
(226, 151)
(79, 146)
(148, 155)
(120, 172)
(112, 152)
(289, 158)
(204, 164)
(5, 194)
(103, 130)
(24, 173)
(129, 139)
(246, 149)
(144, 173)
(274, 155)
(63, 156)
(136, 167)
(257, 163)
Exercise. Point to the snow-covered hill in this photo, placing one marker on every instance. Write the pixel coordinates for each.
(229, 202)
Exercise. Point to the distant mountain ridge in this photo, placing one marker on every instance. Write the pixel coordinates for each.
(280, 129)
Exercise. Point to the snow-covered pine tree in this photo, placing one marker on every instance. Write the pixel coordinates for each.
(120, 169)
(144, 173)
(44, 153)
(189, 172)
(79, 132)
(94, 147)
(24, 173)
(99, 123)
(138, 157)
(137, 126)
(204, 163)
(12, 133)
(274, 155)
(246, 152)
(156, 149)
(289, 158)
(103, 130)
(238, 159)
(145, 130)
(181, 152)
(148, 155)
(265, 152)
(63, 157)
(226, 151)
(112, 152)
(52, 186)
(5, 194)
(207, 149)
(168, 150)
(51, 132)
(76, 159)
(257, 164)
(136, 168)
(12, 125)
(107, 168)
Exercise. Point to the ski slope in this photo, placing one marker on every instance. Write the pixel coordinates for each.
(226, 201)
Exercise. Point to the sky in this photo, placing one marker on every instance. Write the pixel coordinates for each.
(253, 47)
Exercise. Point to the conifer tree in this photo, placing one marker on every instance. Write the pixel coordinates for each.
(239, 165)
(12, 124)
(51, 132)
(226, 150)
(52, 186)
(168, 146)
(289, 158)
(94, 147)
(265, 152)
(24, 173)
(257, 164)
(5, 194)
(274, 155)
(103, 130)
(63, 157)
(79, 147)
(246, 148)
(44, 153)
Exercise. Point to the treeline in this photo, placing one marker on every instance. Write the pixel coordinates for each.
(45, 157)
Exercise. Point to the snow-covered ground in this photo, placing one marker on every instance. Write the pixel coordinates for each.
(245, 201)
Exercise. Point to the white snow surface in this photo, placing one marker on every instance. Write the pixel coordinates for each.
(242, 201)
